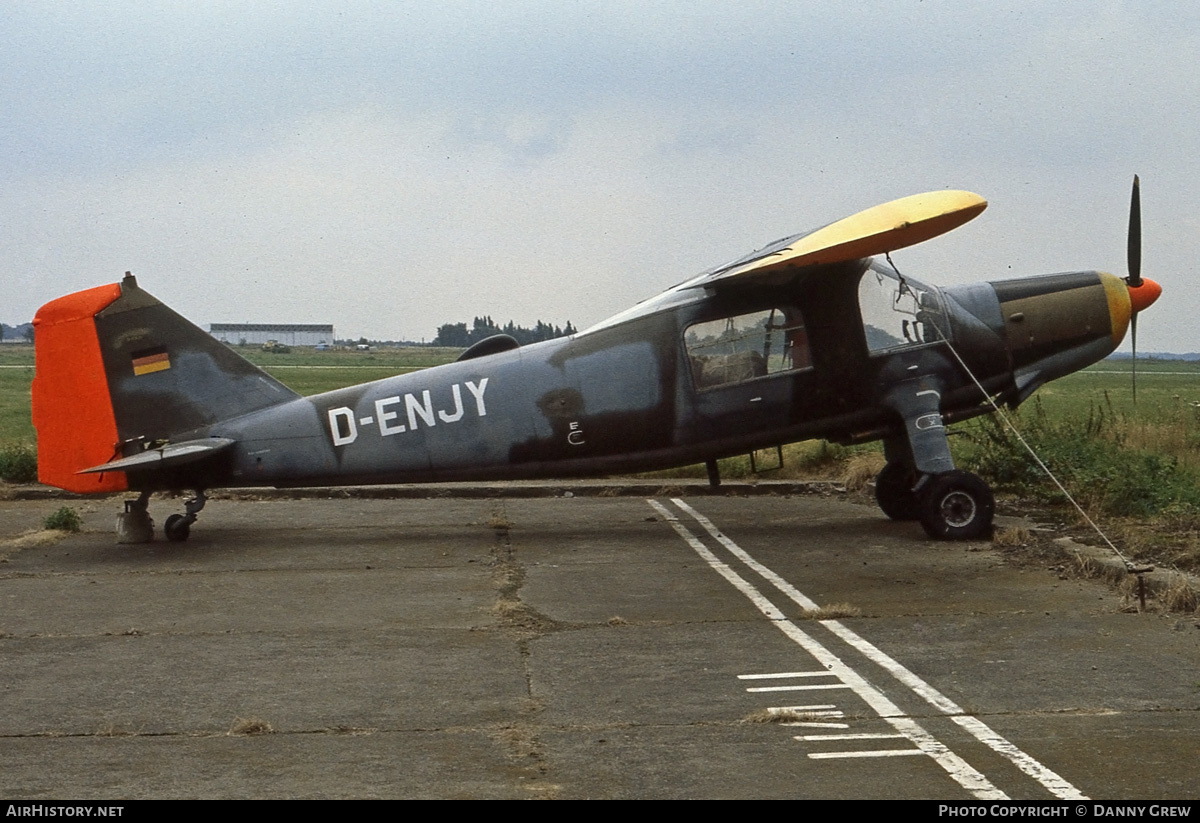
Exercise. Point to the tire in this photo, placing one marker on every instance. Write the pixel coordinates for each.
(957, 505)
(177, 528)
(894, 494)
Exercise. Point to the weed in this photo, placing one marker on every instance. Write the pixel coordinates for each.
(784, 714)
(114, 730)
(831, 612)
(1181, 517)
(1015, 536)
(1179, 595)
(1189, 556)
(1091, 455)
(862, 468)
(64, 520)
(498, 519)
(1086, 566)
(247, 726)
(499, 522)
(18, 463)
(808, 460)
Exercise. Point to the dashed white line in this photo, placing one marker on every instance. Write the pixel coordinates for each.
(813, 725)
(959, 770)
(799, 688)
(1057, 785)
(871, 753)
(781, 675)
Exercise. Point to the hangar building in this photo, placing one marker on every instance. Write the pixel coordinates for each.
(290, 334)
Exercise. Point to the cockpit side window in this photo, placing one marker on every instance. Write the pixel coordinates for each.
(746, 346)
(898, 313)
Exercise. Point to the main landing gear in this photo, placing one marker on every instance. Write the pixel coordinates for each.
(134, 525)
(953, 505)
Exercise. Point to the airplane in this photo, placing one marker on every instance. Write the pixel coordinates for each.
(808, 337)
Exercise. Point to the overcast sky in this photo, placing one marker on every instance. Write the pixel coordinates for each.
(390, 166)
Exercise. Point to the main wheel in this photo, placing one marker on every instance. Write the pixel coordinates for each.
(894, 494)
(177, 528)
(957, 505)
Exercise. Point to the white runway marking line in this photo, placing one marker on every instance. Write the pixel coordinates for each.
(1057, 785)
(852, 736)
(814, 725)
(871, 753)
(959, 770)
(782, 675)
(811, 687)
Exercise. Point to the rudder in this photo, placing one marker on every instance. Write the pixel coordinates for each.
(71, 408)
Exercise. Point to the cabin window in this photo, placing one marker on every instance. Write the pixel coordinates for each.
(898, 313)
(746, 346)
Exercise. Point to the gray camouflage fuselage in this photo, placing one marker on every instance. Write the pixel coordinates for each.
(628, 394)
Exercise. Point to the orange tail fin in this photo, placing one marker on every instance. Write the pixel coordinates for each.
(117, 373)
(72, 411)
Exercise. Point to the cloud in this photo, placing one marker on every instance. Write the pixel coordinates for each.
(388, 167)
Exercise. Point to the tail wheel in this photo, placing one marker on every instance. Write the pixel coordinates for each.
(957, 505)
(894, 494)
(177, 528)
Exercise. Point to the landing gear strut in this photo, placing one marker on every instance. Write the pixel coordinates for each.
(919, 481)
(179, 526)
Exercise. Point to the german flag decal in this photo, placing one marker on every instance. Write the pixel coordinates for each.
(148, 361)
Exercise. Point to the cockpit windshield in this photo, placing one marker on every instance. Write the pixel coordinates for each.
(898, 311)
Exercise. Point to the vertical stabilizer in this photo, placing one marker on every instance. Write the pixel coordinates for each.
(118, 371)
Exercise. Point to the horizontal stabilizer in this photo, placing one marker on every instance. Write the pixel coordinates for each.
(170, 455)
(884, 228)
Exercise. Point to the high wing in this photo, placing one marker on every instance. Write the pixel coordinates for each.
(883, 228)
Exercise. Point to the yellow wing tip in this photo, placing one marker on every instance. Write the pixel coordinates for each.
(942, 200)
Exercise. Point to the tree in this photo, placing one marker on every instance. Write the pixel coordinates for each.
(458, 335)
(452, 334)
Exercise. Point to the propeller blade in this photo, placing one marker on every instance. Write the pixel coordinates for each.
(1133, 362)
(1135, 236)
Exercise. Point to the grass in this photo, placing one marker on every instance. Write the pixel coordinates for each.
(831, 612)
(18, 463)
(64, 519)
(403, 358)
(1014, 536)
(1098, 455)
(249, 726)
(16, 377)
(305, 371)
(1136, 470)
(811, 459)
(786, 715)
